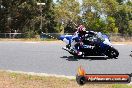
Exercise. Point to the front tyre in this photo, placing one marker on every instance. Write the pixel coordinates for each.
(112, 52)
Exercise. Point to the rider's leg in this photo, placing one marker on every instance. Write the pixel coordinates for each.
(77, 49)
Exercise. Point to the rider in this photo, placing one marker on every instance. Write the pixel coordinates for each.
(79, 36)
(77, 39)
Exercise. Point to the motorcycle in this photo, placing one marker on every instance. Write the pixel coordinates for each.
(98, 45)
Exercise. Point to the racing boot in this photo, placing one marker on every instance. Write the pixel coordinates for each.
(68, 46)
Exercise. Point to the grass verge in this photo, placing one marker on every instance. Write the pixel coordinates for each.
(17, 80)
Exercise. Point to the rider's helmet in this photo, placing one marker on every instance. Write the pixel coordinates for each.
(81, 29)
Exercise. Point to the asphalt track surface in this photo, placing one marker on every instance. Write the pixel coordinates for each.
(44, 57)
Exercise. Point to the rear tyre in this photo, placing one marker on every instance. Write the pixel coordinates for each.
(112, 52)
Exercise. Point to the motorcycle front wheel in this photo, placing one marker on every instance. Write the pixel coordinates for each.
(112, 52)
